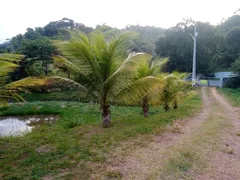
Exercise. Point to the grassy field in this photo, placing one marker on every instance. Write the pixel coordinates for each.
(232, 94)
(77, 138)
(55, 96)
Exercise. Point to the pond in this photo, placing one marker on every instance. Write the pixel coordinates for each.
(18, 125)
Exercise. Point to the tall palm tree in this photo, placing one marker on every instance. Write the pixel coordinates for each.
(105, 69)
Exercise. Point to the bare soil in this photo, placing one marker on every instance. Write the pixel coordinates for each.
(225, 163)
(144, 162)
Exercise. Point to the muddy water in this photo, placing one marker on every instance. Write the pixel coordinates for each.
(18, 125)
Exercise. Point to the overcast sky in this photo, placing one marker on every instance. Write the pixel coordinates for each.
(17, 15)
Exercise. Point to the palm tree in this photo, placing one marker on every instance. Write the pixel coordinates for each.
(105, 69)
(174, 91)
(10, 90)
(152, 68)
(8, 63)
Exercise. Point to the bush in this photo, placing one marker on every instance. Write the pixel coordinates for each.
(233, 83)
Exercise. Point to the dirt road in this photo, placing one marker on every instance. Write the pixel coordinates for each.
(205, 147)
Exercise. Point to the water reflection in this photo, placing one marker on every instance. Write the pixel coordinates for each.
(18, 125)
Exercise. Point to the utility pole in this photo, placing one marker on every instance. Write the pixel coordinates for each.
(194, 37)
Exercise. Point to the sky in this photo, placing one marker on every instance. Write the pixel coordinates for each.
(17, 15)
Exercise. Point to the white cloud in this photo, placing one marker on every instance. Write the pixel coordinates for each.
(18, 15)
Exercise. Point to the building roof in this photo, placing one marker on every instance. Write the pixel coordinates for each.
(224, 74)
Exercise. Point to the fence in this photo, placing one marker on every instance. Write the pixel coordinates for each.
(212, 82)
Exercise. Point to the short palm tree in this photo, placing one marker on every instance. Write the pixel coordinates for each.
(105, 69)
(174, 91)
(152, 68)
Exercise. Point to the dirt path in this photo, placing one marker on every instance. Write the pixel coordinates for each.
(206, 146)
(225, 161)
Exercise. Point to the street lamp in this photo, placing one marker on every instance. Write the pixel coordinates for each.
(194, 37)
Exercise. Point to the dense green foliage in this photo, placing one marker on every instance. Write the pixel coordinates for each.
(217, 46)
(235, 82)
(236, 66)
(146, 39)
(67, 95)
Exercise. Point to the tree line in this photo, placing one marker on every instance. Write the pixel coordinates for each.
(38, 47)
(218, 47)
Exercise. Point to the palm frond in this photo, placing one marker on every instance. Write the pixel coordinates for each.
(25, 83)
(8, 57)
(129, 67)
(8, 63)
(34, 82)
(158, 65)
(67, 64)
(55, 80)
(135, 91)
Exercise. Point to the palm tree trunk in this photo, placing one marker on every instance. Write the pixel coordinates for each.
(106, 115)
(166, 107)
(175, 106)
(145, 107)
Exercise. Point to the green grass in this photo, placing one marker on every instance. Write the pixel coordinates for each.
(55, 96)
(77, 138)
(232, 94)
